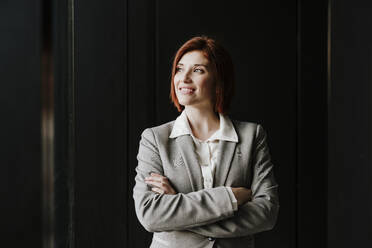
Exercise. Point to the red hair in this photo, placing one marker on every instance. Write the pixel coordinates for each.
(222, 66)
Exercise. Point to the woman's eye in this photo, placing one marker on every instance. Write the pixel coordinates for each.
(198, 70)
(178, 69)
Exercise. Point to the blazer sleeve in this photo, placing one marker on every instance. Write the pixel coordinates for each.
(257, 215)
(162, 212)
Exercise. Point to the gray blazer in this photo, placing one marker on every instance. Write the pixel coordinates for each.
(197, 217)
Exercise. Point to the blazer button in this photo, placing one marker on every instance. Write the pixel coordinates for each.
(211, 239)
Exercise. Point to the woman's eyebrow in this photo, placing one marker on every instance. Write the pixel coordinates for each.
(200, 65)
(194, 64)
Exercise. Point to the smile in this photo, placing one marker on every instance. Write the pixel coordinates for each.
(186, 90)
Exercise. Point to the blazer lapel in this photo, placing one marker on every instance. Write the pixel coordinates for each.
(224, 159)
(187, 148)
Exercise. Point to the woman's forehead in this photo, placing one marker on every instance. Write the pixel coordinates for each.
(194, 57)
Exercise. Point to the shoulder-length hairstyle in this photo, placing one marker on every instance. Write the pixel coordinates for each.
(222, 67)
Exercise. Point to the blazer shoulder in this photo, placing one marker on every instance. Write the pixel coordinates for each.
(247, 128)
(245, 125)
(160, 132)
(163, 128)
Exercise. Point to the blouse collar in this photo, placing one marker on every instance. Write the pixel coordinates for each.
(225, 132)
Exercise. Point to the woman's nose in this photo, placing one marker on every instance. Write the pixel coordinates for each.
(186, 77)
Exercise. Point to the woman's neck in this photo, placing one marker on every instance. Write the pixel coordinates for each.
(203, 122)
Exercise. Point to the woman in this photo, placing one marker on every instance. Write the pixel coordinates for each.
(204, 180)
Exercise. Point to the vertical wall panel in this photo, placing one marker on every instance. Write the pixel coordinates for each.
(100, 167)
(312, 124)
(20, 132)
(64, 122)
(141, 99)
(350, 126)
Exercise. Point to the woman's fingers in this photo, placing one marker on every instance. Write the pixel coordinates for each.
(156, 177)
(156, 184)
(161, 184)
(157, 190)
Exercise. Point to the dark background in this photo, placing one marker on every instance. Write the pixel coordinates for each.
(102, 69)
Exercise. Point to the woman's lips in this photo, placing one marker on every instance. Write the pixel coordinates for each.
(186, 90)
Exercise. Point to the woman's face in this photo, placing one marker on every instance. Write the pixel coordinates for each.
(194, 81)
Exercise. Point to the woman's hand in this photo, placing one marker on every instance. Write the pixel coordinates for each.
(161, 184)
(242, 195)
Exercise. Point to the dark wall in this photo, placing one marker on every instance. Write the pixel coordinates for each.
(311, 154)
(111, 80)
(20, 101)
(123, 58)
(101, 167)
(350, 126)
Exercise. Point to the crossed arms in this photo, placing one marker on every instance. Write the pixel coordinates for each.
(208, 212)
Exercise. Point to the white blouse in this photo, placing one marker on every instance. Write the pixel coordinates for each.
(207, 150)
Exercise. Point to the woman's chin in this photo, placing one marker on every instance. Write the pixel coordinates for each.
(184, 101)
